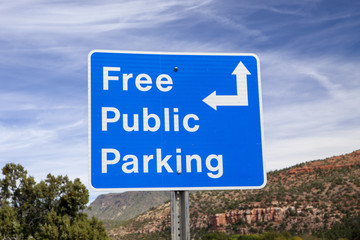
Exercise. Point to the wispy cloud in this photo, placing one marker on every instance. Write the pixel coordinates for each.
(309, 105)
(79, 18)
(288, 152)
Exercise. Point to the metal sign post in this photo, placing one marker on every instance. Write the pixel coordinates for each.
(180, 217)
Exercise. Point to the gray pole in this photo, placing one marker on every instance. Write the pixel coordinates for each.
(180, 216)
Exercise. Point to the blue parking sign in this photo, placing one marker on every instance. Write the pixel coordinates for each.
(175, 121)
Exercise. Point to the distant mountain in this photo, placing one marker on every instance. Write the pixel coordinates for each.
(123, 206)
(305, 198)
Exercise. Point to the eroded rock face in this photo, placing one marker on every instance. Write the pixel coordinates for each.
(274, 214)
(309, 197)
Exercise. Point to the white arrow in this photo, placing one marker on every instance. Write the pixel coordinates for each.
(241, 97)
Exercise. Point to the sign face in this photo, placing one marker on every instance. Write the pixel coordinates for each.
(175, 121)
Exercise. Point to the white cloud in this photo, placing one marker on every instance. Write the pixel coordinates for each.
(306, 123)
(74, 17)
(286, 152)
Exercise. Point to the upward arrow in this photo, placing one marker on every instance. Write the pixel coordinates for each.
(241, 97)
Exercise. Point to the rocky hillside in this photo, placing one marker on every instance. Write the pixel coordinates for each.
(123, 206)
(302, 199)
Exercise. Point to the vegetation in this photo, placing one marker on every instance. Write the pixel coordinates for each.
(314, 200)
(51, 209)
(348, 228)
(317, 200)
(223, 236)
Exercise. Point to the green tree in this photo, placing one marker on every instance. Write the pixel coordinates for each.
(215, 236)
(246, 237)
(348, 228)
(50, 209)
(9, 225)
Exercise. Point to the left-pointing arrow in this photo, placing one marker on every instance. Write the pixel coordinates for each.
(241, 97)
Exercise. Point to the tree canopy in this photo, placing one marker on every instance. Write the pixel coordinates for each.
(50, 209)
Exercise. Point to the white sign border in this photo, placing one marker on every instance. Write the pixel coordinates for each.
(175, 188)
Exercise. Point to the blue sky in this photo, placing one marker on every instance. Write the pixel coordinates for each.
(310, 66)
